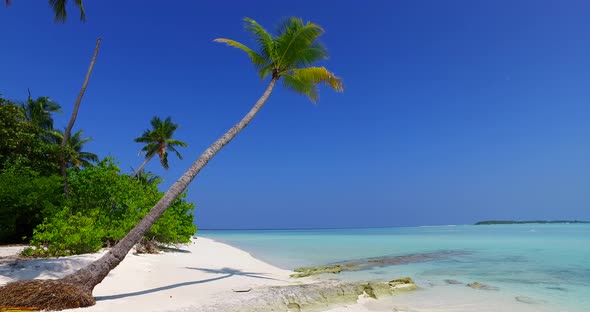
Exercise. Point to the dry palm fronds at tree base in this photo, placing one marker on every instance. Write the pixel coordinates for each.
(43, 295)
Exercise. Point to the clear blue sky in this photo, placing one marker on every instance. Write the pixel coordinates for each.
(454, 111)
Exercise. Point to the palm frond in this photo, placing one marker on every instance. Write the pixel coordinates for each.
(172, 148)
(149, 149)
(59, 7)
(164, 160)
(301, 86)
(308, 56)
(319, 75)
(87, 158)
(295, 37)
(258, 60)
(80, 5)
(174, 142)
(264, 39)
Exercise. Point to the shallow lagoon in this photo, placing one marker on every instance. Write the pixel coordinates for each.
(537, 267)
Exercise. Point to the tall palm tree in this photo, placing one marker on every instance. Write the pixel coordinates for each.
(76, 143)
(284, 55)
(158, 142)
(68, 131)
(59, 8)
(39, 111)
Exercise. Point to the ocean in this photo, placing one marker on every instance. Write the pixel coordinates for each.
(528, 267)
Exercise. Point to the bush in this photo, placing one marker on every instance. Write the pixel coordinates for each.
(103, 207)
(63, 234)
(25, 198)
(176, 224)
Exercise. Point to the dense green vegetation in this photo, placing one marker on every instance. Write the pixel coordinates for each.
(104, 204)
(529, 222)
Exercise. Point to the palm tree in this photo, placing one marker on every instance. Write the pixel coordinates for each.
(148, 178)
(284, 55)
(39, 111)
(75, 143)
(59, 7)
(158, 141)
(68, 131)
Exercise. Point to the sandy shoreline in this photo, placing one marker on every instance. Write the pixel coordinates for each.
(193, 276)
(207, 273)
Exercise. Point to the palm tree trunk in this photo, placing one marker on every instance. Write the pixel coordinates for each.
(68, 131)
(90, 276)
(142, 165)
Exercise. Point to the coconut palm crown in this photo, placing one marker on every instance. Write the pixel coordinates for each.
(158, 141)
(289, 55)
(39, 111)
(79, 158)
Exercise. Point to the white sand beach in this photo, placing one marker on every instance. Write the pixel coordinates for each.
(205, 272)
(192, 276)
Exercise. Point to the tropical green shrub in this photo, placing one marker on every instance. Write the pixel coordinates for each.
(176, 224)
(25, 198)
(65, 234)
(103, 207)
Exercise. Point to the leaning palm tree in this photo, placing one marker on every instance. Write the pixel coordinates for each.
(78, 158)
(158, 142)
(286, 55)
(39, 111)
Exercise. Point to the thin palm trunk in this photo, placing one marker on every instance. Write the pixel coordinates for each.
(90, 276)
(142, 165)
(68, 131)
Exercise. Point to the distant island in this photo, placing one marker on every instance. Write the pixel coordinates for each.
(530, 222)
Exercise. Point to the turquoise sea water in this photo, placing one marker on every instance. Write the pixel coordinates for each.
(547, 266)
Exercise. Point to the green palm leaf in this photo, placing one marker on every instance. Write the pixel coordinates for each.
(258, 60)
(319, 75)
(263, 38)
(59, 7)
(296, 38)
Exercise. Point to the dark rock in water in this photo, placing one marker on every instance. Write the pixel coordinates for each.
(308, 271)
(452, 282)
(478, 285)
(371, 263)
(529, 300)
(557, 288)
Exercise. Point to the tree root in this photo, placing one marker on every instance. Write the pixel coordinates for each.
(43, 295)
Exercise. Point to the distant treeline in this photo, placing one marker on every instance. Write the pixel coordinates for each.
(529, 222)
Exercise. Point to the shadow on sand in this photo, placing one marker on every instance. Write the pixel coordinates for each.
(227, 272)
